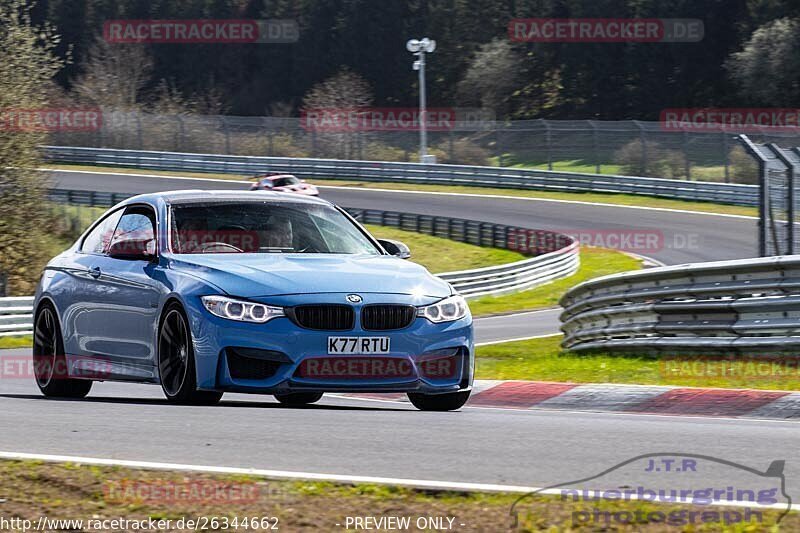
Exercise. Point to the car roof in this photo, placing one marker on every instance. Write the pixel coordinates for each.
(223, 196)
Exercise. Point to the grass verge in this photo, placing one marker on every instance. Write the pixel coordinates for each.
(603, 198)
(443, 255)
(16, 341)
(544, 360)
(33, 489)
(595, 262)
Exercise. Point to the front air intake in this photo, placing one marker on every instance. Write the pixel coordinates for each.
(387, 317)
(250, 363)
(330, 317)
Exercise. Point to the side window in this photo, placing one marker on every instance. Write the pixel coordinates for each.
(135, 232)
(97, 241)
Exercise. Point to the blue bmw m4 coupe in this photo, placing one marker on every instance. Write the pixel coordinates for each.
(259, 292)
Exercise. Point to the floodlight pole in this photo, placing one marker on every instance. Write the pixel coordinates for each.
(419, 47)
(423, 111)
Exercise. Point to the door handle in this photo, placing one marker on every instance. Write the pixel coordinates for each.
(95, 272)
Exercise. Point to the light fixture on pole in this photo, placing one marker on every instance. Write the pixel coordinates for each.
(420, 47)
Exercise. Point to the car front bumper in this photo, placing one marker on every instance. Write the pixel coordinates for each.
(424, 357)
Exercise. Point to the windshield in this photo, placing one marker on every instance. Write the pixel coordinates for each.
(283, 182)
(265, 227)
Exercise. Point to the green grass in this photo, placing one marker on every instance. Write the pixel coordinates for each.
(544, 360)
(603, 198)
(573, 165)
(442, 255)
(21, 341)
(584, 166)
(595, 262)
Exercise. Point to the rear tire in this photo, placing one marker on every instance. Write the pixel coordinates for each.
(439, 402)
(49, 361)
(176, 365)
(299, 398)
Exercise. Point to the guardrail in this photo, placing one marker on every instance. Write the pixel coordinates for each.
(500, 177)
(16, 316)
(556, 254)
(742, 306)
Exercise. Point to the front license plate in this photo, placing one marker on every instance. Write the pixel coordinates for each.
(357, 345)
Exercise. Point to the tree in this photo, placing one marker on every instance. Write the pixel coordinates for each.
(492, 77)
(114, 75)
(341, 92)
(767, 70)
(27, 66)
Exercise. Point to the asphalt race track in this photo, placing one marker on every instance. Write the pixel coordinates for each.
(680, 237)
(372, 438)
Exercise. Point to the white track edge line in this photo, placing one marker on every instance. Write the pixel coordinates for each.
(281, 474)
(489, 343)
(520, 313)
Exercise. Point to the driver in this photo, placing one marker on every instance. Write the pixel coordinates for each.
(277, 233)
(190, 234)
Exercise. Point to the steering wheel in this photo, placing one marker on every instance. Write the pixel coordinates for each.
(206, 246)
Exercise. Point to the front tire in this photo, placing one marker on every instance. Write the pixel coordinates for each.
(299, 398)
(176, 364)
(49, 361)
(439, 402)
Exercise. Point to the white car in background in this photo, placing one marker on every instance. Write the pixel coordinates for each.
(283, 183)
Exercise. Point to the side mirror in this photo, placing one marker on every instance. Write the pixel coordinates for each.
(395, 248)
(133, 249)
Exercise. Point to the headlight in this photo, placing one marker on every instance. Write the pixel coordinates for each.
(240, 310)
(447, 310)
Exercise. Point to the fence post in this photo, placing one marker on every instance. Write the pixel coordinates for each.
(686, 164)
(139, 131)
(181, 134)
(498, 132)
(643, 142)
(227, 135)
(763, 194)
(547, 145)
(789, 198)
(595, 148)
(3, 284)
(98, 134)
(726, 154)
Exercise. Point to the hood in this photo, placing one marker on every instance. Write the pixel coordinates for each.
(255, 275)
